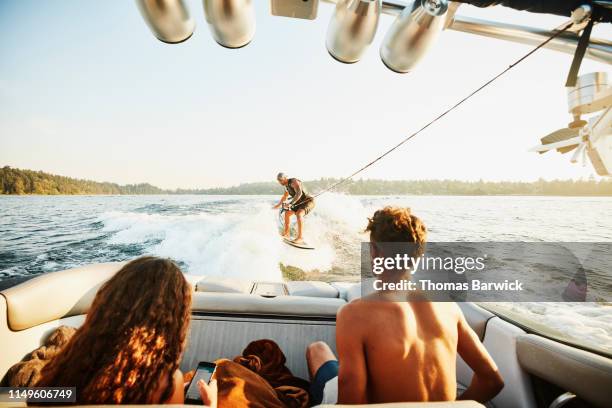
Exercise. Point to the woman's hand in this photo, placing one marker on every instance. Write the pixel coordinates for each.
(208, 392)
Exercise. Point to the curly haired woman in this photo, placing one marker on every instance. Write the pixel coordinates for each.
(129, 348)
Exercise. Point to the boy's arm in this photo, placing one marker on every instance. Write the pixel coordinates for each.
(487, 382)
(352, 376)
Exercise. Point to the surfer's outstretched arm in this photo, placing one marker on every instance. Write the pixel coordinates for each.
(282, 200)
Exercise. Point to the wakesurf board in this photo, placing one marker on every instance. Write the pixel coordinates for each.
(302, 245)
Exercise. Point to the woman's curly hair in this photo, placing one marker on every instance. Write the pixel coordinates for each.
(132, 339)
(396, 224)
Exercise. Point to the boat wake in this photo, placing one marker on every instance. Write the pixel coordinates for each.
(243, 241)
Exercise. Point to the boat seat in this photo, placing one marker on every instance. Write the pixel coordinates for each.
(347, 290)
(581, 372)
(246, 304)
(55, 295)
(73, 290)
(295, 288)
(312, 289)
(223, 285)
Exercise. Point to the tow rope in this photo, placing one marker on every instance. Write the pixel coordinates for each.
(583, 43)
(558, 31)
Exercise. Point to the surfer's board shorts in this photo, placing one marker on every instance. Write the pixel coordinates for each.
(324, 386)
(307, 206)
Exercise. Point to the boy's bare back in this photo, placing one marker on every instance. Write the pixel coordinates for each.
(393, 351)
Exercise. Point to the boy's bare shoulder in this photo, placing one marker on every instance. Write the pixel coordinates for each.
(368, 306)
(350, 308)
(450, 310)
(355, 309)
(347, 315)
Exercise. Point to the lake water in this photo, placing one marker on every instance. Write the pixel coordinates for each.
(236, 236)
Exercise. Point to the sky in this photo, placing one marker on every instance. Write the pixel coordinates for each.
(87, 91)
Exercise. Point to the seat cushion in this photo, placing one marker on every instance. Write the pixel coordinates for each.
(237, 303)
(586, 374)
(223, 285)
(55, 295)
(348, 291)
(312, 289)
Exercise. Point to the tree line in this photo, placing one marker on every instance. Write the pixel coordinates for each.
(590, 187)
(17, 181)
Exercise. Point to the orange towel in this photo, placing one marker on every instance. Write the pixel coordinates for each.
(240, 387)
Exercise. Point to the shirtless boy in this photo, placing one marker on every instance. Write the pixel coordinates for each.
(394, 349)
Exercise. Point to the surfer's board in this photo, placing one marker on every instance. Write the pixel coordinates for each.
(302, 245)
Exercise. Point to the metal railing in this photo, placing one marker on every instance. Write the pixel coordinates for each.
(598, 49)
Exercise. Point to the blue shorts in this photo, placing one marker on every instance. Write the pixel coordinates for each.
(326, 372)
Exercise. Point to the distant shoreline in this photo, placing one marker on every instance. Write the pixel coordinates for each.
(274, 195)
(28, 182)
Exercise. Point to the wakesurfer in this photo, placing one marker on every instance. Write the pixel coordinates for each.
(300, 205)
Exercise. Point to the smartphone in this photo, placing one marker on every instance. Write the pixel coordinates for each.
(204, 372)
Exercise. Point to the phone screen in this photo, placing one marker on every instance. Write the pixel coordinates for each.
(203, 372)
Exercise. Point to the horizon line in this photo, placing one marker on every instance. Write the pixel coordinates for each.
(331, 178)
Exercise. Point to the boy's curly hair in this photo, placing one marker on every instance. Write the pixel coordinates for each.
(397, 224)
